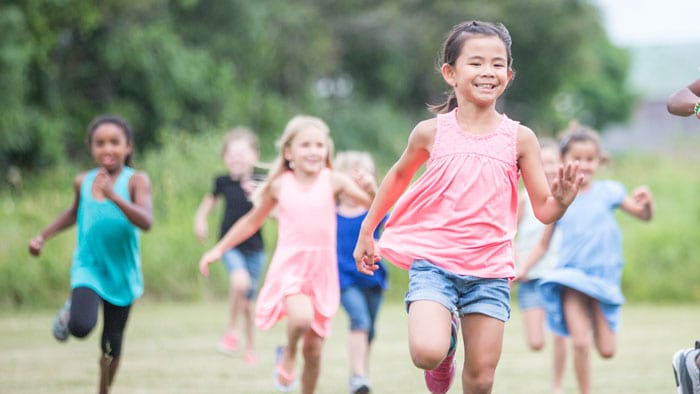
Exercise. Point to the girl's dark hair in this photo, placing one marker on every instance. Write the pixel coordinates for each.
(452, 47)
(117, 121)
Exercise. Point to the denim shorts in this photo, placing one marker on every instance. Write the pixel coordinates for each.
(362, 305)
(463, 294)
(249, 260)
(529, 296)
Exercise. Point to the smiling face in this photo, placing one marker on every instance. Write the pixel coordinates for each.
(109, 146)
(308, 150)
(481, 73)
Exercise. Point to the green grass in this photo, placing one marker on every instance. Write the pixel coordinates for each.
(170, 348)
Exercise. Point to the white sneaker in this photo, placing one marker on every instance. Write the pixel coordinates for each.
(60, 323)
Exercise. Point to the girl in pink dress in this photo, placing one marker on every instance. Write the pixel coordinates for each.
(453, 229)
(302, 280)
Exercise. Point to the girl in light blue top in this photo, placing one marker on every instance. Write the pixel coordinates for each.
(112, 204)
(583, 295)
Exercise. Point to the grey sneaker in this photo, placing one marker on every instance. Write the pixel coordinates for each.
(60, 323)
(359, 385)
(686, 371)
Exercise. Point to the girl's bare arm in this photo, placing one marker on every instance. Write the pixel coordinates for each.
(639, 204)
(64, 220)
(393, 185)
(549, 202)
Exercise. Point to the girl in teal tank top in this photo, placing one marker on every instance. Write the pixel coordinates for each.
(112, 204)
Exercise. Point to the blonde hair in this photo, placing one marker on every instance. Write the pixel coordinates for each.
(291, 130)
(240, 134)
(347, 161)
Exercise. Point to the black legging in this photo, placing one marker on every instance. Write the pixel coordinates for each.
(83, 318)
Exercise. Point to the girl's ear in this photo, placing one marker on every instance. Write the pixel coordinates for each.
(448, 74)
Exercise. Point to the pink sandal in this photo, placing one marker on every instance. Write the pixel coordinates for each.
(279, 372)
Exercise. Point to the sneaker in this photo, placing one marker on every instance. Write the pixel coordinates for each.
(359, 385)
(60, 323)
(686, 371)
(228, 343)
(439, 379)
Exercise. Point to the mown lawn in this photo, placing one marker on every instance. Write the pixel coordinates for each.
(170, 348)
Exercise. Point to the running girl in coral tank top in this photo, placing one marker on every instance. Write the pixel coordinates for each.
(453, 228)
(302, 281)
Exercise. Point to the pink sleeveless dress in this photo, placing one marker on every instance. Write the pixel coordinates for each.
(305, 260)
(461, 214)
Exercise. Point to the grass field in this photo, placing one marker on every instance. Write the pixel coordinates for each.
(170, 348)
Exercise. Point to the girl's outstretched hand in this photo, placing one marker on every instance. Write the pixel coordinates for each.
(364, 254)
(208, 258)
(36, 244)
(566, 185)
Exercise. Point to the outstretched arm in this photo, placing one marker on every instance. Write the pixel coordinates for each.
(201, 227)
(683, 101)
(64, 220)
(244, 227)
(394, 184)
(362, 193)
(548, 202)
(537, 252)
(639, 204)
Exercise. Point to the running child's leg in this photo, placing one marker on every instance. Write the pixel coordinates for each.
(255, 261)
(313, 345)
(429, 331)
(577, 312)
(85, 304)
(483, 341)
(559, 363)
(300, 314)
(114, 324)
(239, 284)
(605, 337)
(533, 319)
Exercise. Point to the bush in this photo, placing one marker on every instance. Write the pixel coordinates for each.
(660, 255)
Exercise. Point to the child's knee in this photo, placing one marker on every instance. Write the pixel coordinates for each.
(79, 328)
(425, 357)
(606, 351)
(479, 379)
(299, 325)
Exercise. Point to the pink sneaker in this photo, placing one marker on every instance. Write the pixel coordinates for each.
(228, 343)
(439, 379)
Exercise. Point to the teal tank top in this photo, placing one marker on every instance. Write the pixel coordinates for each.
(107, 256)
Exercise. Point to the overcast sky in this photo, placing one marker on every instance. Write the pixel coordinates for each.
(642, 22)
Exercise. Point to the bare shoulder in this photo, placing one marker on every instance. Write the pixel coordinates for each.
(78, 180)
(527, 140)
(424, 132)
(140, 178)
(273, 191)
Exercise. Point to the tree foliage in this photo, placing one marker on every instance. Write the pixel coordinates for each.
(190, 66)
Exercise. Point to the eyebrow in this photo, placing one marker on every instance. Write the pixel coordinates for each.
(477, 57)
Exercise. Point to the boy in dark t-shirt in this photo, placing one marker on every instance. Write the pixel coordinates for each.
(244, 263)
